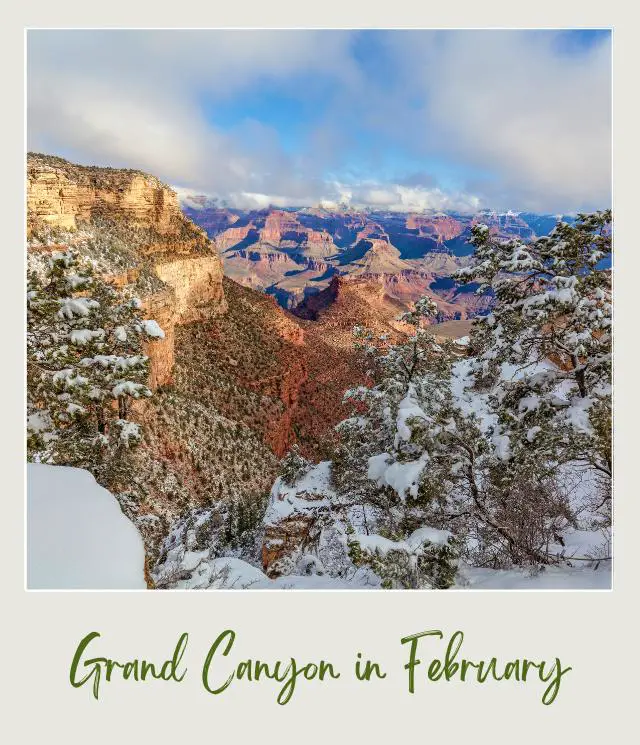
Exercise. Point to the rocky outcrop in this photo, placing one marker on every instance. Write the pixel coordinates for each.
(181, 265)
(283, 542)
(373, 231)
(379, 257)
(161, 352)
(260, 254)
(197, 286)
(280, 225)
(440, 228)
(311, 307)
(233, 236)
(294, 519)
(61, 194)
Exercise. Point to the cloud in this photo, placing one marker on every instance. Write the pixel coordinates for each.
(519, 106)
(402, 198)
(133, 99)
(389, 197)
(524, 123)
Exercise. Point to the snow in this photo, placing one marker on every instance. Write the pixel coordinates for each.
(428, 535)
(381, 545)
(151, 328)
(235, 573)
(231, 573)
(115, 361)
(129, 388)
(581, 543)
(80, 306)
(85, 336)
(68, 379)
(77, 535)
(532, 433)
(284, 500)
(408, 409)
(40, 421)
(401, 477)
(120, 333)
(130, 432)
(467, 400)
(577, 414)
(377, 466)
(529, 403)
(551, 578)
(75, 280)
(501, 445)
(474, 402)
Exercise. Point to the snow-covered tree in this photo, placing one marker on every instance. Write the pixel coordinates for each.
(545, 349)
(385, 453)
(428, 451)
(293, 466)
(488, 460)
(85, 362)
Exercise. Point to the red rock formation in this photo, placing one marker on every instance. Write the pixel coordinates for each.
(372, 230)
(439, 228)
(380, 257)
(232, 236)
(280, 224)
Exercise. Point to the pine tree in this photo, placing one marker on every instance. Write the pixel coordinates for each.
(386, 452)
(293, 466)
(422, 461)
(543, 363)
(545, 350)
(84, 363)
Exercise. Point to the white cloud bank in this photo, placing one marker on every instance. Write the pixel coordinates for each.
(517, 105)
(509, 104)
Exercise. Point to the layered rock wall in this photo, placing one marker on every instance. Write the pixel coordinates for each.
(61, 193)
(179, 254)
(197, 286)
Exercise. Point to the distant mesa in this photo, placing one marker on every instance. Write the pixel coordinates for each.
(293, 254)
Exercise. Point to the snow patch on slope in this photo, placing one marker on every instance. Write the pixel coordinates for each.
(77, 535)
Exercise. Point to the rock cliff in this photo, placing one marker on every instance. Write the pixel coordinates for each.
(132, 224)
(61, 194)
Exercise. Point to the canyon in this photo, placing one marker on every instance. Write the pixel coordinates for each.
(294, 254)
(257, 310)
(237, 379)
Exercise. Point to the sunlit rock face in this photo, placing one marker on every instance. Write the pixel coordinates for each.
(105, 205)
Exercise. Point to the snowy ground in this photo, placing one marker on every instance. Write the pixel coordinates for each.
(77, 536)
(552, 578)
(231, 573)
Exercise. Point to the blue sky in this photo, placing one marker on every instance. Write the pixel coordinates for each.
(396, 119)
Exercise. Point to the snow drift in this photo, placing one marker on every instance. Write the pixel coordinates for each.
(77, 536)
